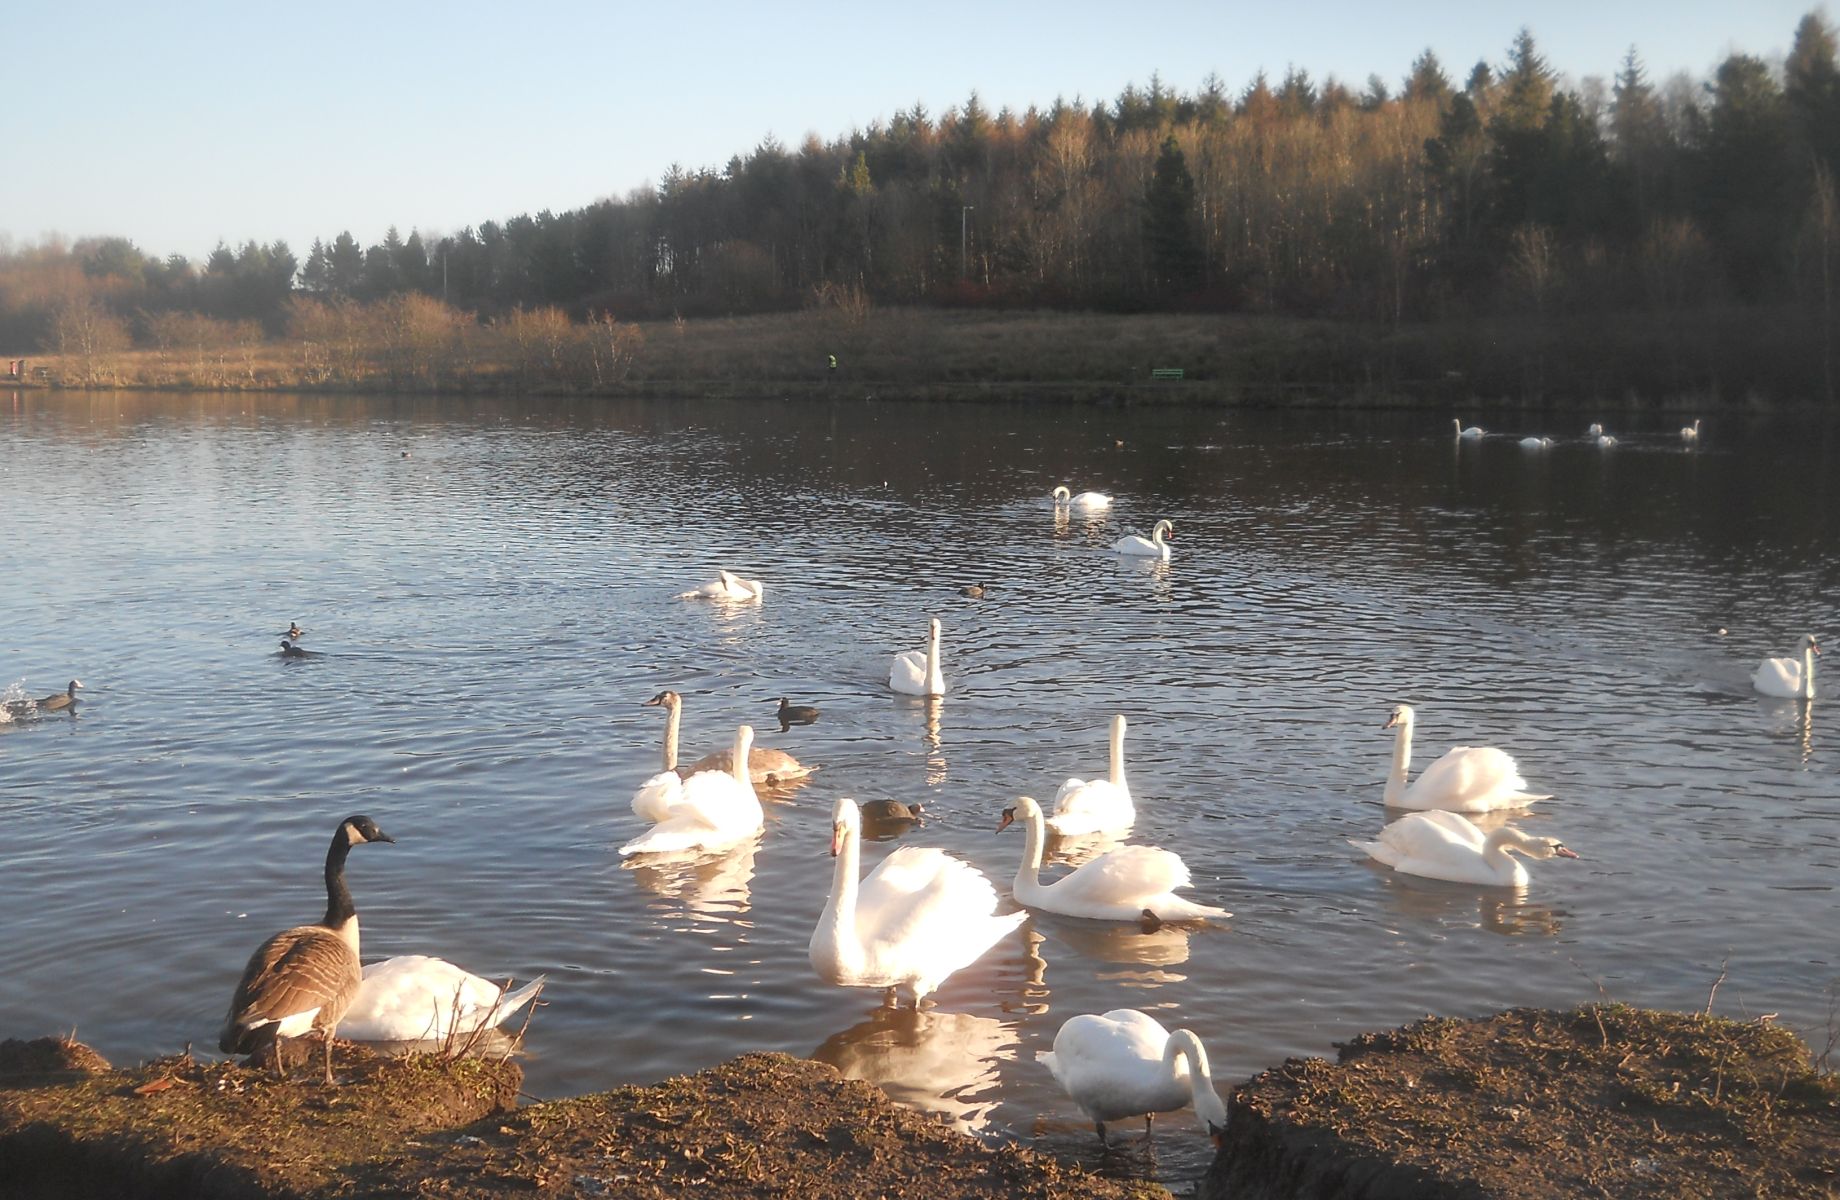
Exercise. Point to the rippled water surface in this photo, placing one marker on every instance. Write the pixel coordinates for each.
(492, 609)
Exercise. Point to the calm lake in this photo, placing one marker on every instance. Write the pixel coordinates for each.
(492, 610)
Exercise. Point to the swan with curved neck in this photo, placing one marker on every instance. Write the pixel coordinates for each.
(917, 672)
(1789, 677)
(1119, 885)
(1465, 779)
(1125, 1064)
(1690, 433)
(1154, 546)
(1474, 431)
(711, 810)
(1083, 500)
(727, 586)
(766, 764)
(917, 918)
(1448, 846)
(1085, 806)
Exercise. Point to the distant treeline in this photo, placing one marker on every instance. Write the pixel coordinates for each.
(1503, 193)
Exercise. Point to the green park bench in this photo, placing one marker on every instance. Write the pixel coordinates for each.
(1166, 373)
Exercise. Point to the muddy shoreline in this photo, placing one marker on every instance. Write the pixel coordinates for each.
(1604, 1100)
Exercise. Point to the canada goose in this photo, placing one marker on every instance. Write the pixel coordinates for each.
(890, 812)
(974, 591)
(794, 714)
(55, 702)
(304, 978)
(290, 650)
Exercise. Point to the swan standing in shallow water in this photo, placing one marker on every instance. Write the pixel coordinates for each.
(1474, 431)
(1153, 546)
(1096, 805)
(1787, 677)
(918, 917)
(711, 810)
(1446, 845)
(415, 998)
(1120, 885)
(1466, 779)
(1124, 1064)
(916, 672)
(728, 587)
(1086, 500)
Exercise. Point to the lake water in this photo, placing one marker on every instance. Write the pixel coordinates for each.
(492, 610)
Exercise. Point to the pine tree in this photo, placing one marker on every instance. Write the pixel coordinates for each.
(1169, 232)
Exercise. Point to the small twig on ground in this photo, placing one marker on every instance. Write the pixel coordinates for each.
(1723, 963)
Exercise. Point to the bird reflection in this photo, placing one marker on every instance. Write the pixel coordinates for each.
(1500, 910)
(708, 885)
(1793, 718)
(935, 755)
(937, 1062)
(1080, 849)
(1122, 942)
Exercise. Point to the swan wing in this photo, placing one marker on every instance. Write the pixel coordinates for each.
(1090, 805)
(713, 811)
(1129, 875)
(1469, 779)
(1434, 845)
(657, 796)
(1778, 677)
(922, 914)
(413, 997)
(908, 673)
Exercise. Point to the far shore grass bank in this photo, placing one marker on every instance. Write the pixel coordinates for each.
(1699, 360)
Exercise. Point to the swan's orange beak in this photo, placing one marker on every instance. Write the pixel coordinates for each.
(836, 839)
(1391, 721)
(1009, 817)
(1565, 852)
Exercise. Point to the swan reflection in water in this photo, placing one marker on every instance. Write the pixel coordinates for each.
(1147, 951)
(1792, 719)
(1503, 910)
(937, 1062)
(935, 754)
(708, 885)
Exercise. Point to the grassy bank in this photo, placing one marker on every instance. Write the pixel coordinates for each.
(1702, 358)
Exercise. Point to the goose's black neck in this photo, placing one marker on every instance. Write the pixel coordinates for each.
(339, 908)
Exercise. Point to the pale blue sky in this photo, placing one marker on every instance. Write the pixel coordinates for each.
(181, 124)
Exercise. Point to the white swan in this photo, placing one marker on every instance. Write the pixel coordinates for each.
(918, 917)
(1466, 779)
(414, 998)
(1153, 546)
(711, 810)
(1593, 430)
(1124, 1064)
(1474, 431)
(1690, 433)
(1119, 885)
(1446, 845)
(1083, 500)
(916, 672)
(728, 587)
(1536, 443)
(1787, 677)
(1605, 441)
(1096, 805)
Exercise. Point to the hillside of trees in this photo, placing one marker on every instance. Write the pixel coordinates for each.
(1501, 193)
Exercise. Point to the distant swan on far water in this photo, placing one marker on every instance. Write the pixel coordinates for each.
(1594, 429)
(1788, 677)
(1084, 499)
(1690, 433)
(1535, 443)
(1448, 846)
(1605, 441)
(1465, 779)
(1154, 546)
(728, 587)
(1474, 431)
(917, 672)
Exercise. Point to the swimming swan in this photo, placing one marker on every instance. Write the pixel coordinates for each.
(1690, 433)
(415, 998)
(916, 672)
(1474, 431)
(1536, 443)
(1466, 779)
(1125, 1064)
(711, 810)
(917, 918)
(1153, 546)
(1787, 677)
(1447, 845)
(1593, 430)
(1096, 805)
(765, 764)
(729, 587)
(1605, 441)
(1083, 500)
(1119, 885)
